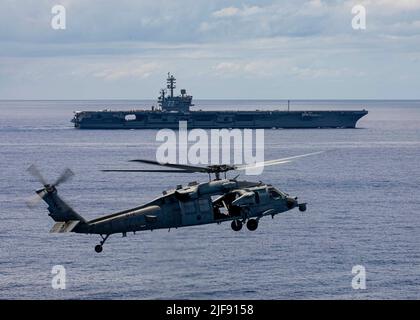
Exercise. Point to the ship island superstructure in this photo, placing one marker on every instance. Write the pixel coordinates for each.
(173, 109)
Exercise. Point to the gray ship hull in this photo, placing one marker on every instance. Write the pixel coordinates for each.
(142, 119)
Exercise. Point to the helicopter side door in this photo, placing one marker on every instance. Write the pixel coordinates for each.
(196, 211)
(225, 208)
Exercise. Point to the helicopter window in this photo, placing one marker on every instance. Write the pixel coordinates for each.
(275, 194)
(204, 205)
(257, 197)
(189, 207)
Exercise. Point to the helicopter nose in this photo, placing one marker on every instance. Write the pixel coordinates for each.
(291, 202)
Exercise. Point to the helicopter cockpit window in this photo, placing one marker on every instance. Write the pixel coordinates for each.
(274, 194)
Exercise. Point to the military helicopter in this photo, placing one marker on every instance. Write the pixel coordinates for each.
(215, 201)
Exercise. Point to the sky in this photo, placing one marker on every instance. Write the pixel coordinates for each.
(301, 49)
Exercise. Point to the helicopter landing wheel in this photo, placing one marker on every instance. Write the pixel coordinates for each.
(236, 225)
(99, 247)
(252, 224)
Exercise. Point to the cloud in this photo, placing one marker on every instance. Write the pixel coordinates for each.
(316, 73)
(227, 67)
(133, 43)
(168, 21)
(234, 11)
(132, 69)
(392, 5)
(273, 19)
(404, 28)
(226, 12)
(252, 68)
(316, 3)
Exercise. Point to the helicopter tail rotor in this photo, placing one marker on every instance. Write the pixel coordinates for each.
(48, 188)
(59, 210)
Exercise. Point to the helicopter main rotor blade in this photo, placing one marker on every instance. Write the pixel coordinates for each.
(173, 165)
(295, 157)
(259, 165)
(162, 170)
(34, 171)
(275, 162)
(66, 175)
(217, 169)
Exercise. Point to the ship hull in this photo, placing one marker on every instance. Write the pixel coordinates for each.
(216, 119)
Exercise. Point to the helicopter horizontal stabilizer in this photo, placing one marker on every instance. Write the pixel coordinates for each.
(64, 226)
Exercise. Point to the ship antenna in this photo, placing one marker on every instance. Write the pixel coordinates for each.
(171, 83)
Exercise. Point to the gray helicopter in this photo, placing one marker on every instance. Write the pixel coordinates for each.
(215, 201)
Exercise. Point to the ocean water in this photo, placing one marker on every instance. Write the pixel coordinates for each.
(362, 194)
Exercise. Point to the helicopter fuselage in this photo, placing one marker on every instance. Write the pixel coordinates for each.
(196, 204)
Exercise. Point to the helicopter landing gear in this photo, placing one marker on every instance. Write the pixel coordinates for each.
(252, 224)
(99, 248)
(302, 207)
(236, 225)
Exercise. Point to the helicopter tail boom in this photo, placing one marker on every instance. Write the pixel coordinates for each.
(59, 210)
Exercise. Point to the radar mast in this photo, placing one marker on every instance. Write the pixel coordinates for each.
(171, 81)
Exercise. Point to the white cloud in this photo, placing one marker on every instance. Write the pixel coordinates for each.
(396, 4)
(130, 69)
(316, 73)
(226, 12)
(254, 68)
(316, 3)
(405, 28)
(226, 67)
(234, 11)
(379, 7)
(133, 43)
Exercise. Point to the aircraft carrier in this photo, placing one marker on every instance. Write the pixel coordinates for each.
(173, 109)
